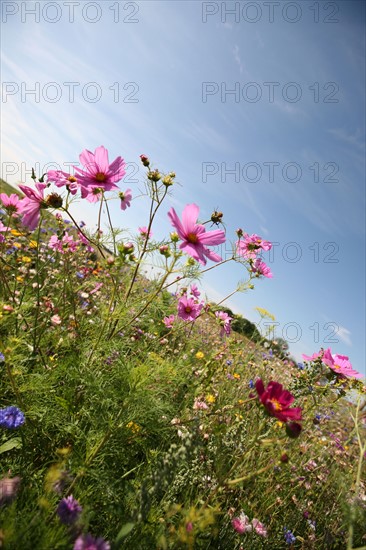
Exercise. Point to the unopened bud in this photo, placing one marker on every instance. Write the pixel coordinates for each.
(293, 429)
(164, 250)
(167, 181)
(154, 175)
(145, 161)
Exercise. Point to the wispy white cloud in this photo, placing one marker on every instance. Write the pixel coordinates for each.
(237, 58)
(354, 139)
(345, 335)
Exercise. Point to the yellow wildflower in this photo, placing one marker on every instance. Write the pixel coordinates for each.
(264, 313)
(135, 428)
(200, 355)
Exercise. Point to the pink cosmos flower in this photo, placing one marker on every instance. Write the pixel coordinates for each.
(195, 292)
(11, 203)
(259, 527)
(143, 232)
(168, 321)
(260, 268)
(31, 205)
(66, 244)
(251, 245)
(340, 364)
(98, 175)
(61, 179)
(126, 198)
(188, 309)
(225, 322)
(194, 236)
(242, 524)
(312, 357)
(277, 401)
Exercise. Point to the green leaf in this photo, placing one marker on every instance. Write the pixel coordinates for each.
(14, 443)
(126, 529)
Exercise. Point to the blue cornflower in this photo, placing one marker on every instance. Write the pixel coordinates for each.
(300, 366)
(2, 357)
(228, 362)
(11, 418)
(289, 536)
(69, 510)
(251, 384)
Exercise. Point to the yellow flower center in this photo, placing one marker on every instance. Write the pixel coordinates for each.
(188, 309)
(100, 176)
(276, 405)
(71, 179)
(192, 238)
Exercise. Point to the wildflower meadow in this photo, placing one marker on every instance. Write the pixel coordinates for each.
(135, 413)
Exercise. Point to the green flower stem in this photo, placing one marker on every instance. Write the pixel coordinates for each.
(38, 293)
(362, 446)
(149, 302)
(152, 214)
(83, 234)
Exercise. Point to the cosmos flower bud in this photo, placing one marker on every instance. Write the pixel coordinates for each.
(293, 429)
(145, 161)
(167, 181)
(154, 175)
(164, 250)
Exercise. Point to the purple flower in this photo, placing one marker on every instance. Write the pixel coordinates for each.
(289, 537)
(69, 510)
(87, 542)
(11, 418)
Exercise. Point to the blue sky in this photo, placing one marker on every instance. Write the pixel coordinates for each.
(258, 109)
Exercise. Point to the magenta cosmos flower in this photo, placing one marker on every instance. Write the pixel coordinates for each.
(11, 203)
(188, 309)
(169, 321)
(277, 401)
(194, 236)
(340, 364)
(126, 197)
(260, 268)
(224, 321)
(31, 205)
(61, 179)
(251, 245)
(98, 175)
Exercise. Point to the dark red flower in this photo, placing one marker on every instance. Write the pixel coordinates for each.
(277, 401)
